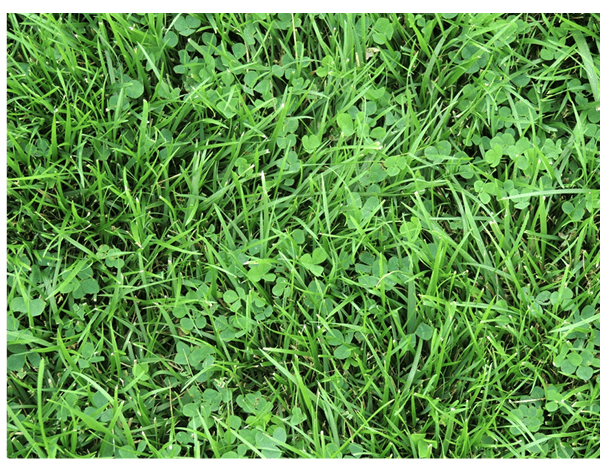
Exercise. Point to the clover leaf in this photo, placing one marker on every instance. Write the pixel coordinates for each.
(24, 304)
(310, 143)
(575, 212)
(529, 415)
(258, 271)
(439, 152)
(394, 165)
(285, 141)
(346, 124)
(281, 286)
(297, 417)
(290, 164)
(113, 257)
(342, 343)
(493, 156)
(186, 25)
(424, 331)
(268, 441)
(411, 229)
(85, 287)
(170, 39)
(383, 31)
(326, 68)
(134, 89)
(230, 296)
(141, 371)
(312, 262)
(298, 236)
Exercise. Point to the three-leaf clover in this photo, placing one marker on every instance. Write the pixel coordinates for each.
(526, 415)
(186, 25)
(231, 298)
(553, 397)
(342, 341)
(297, 416)
(290, 164)
(24, 304)
(80, 284)
(268, 441)
(327, 66)
(113, 257)
(258, 271)
(200, 358)
(439, 152)
(312, 262)
(395, 164)
(411, 229)
(383, 30)
(258, 406)
(88, 355)
(575, 212)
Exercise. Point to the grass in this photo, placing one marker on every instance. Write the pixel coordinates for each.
(310, 236)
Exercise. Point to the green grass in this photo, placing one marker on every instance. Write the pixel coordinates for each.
(308, 236)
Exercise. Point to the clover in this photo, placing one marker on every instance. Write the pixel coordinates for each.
(342, 342)
(313, 261)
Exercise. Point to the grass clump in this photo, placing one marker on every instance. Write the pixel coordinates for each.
(303, 235)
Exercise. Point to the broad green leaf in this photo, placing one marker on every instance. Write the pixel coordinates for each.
(239, 50)
(113, 258)
(383, 30)
(552, 406)
(258, 271)
(574, 358)
(15, 362)
(521, 80)
(315, 269)
(494, 155)
(182, 353)
(318, 256)
(334, 337)
(134, 89)
(424, 331)
(191, 410)
(568, 207)
(298, 236)
(170, 39)
(180, 311)
(484, 197)
(346, 124)
(342, 352)
(280, 435)
(311, 142)
(394, 164)
(584, 372)
(88, 286)
(297, 417)
(141, 371)
(230, 296)
(186, 323)
(567, 367)
(287, 141)
(368, 281)
(20, 304)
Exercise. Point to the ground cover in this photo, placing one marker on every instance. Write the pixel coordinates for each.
(309, 235)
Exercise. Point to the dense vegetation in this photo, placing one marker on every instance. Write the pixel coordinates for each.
(309, 235)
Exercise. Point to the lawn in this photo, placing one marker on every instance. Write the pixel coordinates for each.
(303, 235)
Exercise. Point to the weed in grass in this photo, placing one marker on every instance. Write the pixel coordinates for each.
(303, 235)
